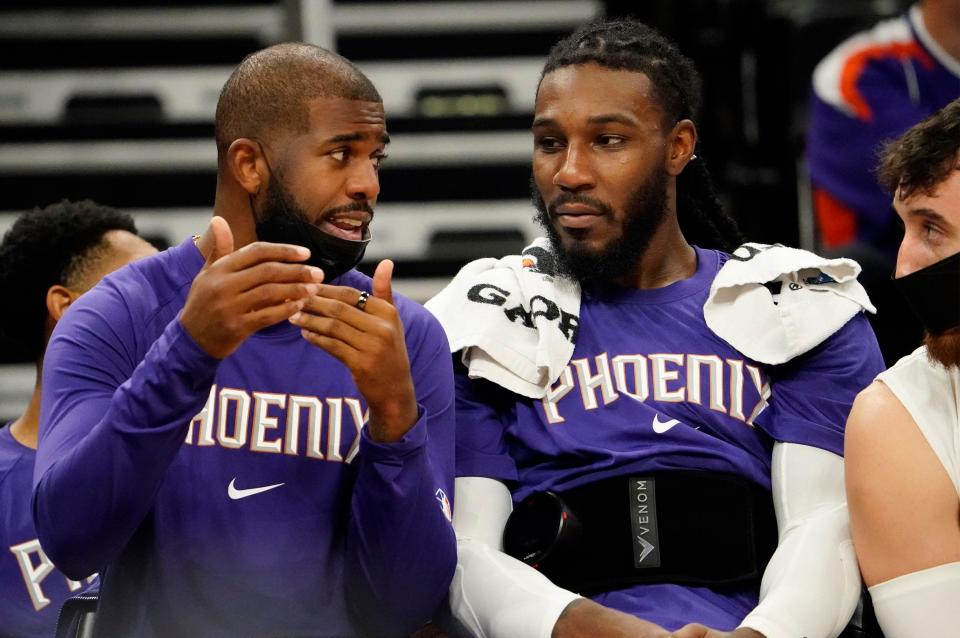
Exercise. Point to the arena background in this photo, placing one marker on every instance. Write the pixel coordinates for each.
(114, 101)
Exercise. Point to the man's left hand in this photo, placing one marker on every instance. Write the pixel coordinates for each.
(369, 341)
(702, 631)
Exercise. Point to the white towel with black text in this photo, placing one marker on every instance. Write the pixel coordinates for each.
(513, 318)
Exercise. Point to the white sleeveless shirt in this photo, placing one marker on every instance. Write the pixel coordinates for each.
(931, 394)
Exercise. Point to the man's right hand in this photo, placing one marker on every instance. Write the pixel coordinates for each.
(237, 293)
(584, 618)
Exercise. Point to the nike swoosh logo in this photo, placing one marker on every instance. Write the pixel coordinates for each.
(663, 426)
(236, 493)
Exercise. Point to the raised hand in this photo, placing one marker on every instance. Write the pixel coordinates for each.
(239, 292)
(367, 336)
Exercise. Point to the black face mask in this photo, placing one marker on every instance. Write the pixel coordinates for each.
(933, 293)
(281, 221)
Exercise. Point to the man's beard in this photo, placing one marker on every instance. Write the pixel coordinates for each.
(278, 203)
(280, 219)
(644, 213)
(944, 348)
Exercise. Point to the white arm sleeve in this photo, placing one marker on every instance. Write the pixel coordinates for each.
(812, 584)
(492, 594)
(921, 603)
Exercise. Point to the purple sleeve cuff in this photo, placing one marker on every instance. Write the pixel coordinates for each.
(186, 352)
(414, 441)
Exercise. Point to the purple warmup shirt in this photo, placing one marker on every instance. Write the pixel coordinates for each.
(239, 497)
(643, 359)
(32, 589)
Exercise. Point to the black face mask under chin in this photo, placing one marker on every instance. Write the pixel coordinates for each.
(933, 293)
(334, 255)
(283, 224)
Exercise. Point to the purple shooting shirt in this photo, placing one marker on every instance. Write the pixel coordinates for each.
(32, 588)
(650, 387)
(239, 497)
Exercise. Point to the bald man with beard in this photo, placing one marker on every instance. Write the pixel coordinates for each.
(245, 435)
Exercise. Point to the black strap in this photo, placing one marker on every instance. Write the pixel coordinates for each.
(693, 528)
(77, 615)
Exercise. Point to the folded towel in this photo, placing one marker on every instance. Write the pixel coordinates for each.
(773, 303)
(513, 318)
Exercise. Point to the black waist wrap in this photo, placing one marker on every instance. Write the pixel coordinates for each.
(685, 527)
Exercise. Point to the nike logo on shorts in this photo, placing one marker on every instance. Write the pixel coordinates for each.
(663, 426)
(236, 493)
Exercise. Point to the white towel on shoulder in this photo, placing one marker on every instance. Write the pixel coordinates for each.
(812, 298)
(514, 319)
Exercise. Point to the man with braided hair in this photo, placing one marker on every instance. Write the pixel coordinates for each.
(674, 444)
(48, 259)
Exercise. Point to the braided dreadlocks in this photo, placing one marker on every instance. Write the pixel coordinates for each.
(633, 46)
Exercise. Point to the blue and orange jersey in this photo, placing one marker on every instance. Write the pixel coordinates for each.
(869, 90)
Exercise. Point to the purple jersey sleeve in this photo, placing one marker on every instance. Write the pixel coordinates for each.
(110, 427)
(483, 411)
(401, 549)
(813, 392)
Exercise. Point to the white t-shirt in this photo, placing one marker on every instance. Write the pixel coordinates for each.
(931, 394)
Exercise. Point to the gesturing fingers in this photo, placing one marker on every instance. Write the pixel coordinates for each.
(365, 333)
(259, 252)
(221, 243)
(372, 333)
(238, 292)
(273, 294)
(269, 315)
(336, 319)
(350, 304)
(323, 337)
(277, 272)
(382, 281)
